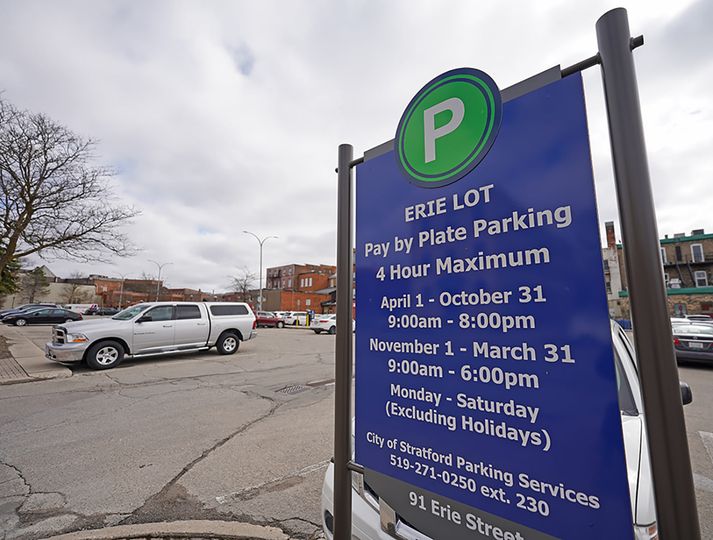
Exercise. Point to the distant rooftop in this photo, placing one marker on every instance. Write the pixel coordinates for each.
(696, 234)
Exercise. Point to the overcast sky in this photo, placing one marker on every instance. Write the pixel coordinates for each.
(225, 116)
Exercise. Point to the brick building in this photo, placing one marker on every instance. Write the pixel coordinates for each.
(111, 293)
(687, 266)
(298, 287)
(296, 276)
(612, 272)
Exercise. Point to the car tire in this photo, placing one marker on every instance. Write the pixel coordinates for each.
(228, 343)
(332, 330)
(280, 324)
(20, 322)
(317, 331)
(105, 355)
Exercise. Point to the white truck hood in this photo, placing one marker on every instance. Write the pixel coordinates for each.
(83, 327)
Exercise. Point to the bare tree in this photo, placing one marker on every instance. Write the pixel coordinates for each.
(34, 284)
(53, 200)
(242, 282)
(73, 293)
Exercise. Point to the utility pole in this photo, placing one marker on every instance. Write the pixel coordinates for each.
(158, 280)
(261, 242)
(121, 291)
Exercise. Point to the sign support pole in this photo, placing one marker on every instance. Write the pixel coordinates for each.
(677, 515)
(343, 350)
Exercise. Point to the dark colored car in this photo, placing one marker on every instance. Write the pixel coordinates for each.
(102, 311)
(24, 307)
(693, 341)
(267, 318)
(42, 316)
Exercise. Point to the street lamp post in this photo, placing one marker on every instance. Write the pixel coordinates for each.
(261, 242)
(158, 280)
(121, 291)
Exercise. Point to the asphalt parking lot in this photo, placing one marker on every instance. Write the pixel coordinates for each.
(195, 436)
(201, 436)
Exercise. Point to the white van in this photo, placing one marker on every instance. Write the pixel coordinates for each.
(80, 308)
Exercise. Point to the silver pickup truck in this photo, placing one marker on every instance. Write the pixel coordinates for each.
(153, 328)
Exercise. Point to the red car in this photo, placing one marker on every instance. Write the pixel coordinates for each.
(268, 319)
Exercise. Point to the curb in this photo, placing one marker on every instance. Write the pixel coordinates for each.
(31, 358)
(180, 529)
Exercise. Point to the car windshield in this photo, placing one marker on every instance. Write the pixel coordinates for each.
(130, 313)
(29, 308)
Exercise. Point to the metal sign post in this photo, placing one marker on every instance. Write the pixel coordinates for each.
(343, 350)
(673, 481)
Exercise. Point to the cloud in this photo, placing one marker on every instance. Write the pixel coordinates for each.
(226, 116)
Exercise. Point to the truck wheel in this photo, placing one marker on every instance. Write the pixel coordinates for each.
(332, 329)
(317, 331)
(20, 322)
(280, 324)
(105, 355)
(228, 343)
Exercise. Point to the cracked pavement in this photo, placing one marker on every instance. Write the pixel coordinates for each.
(197, 436)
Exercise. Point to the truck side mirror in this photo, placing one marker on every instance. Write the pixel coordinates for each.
(686, 394)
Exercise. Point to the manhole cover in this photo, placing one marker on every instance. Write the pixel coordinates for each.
(292, 389)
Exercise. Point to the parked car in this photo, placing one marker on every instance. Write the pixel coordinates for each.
(41, 316)
(324, 323)
(693, 341)
(24, 307)
(153, 328)
(269, 319)
(102, 311)
(80, 308)
(295, 318)
(701, 318)
(366, 518)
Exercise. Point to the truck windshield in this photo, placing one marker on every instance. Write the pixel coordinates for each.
(130, 313)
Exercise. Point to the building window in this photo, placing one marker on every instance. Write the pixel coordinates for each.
(608, 287)
(308, 302)
(606, 265)
(665, 278)
(701, 278)
(697, 253)
(663, 255)
(289, 283)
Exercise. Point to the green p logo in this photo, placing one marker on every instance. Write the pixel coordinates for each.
(448, 127)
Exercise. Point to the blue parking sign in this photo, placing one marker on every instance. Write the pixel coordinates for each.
(486, 392)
